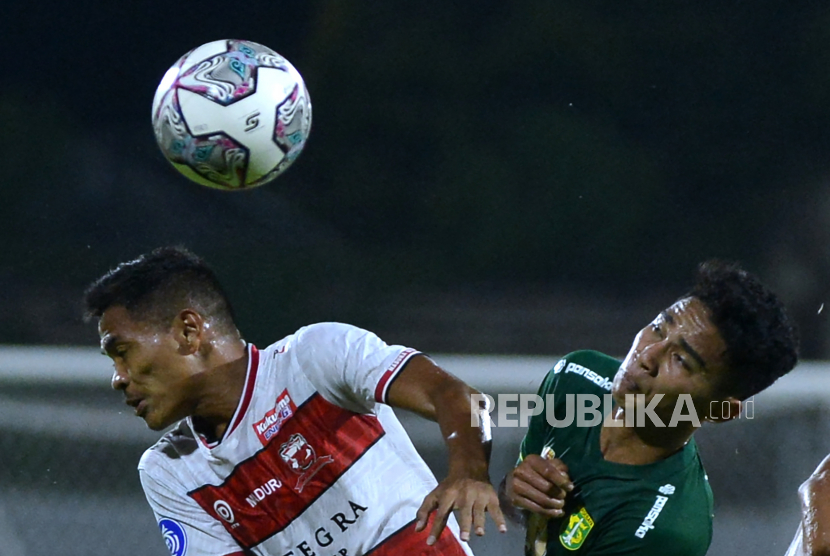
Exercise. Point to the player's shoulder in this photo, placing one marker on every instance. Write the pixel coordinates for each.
(176, 444)
(598, 362)
(322, 332)
(584, 367)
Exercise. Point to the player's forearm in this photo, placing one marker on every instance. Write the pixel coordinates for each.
(465, 430)
(429, 391)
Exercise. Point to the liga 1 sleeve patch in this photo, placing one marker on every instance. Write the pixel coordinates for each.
(174, 536)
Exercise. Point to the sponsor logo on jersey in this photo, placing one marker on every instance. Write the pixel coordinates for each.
(648, 523)
(302, 459)
(576, 528)
(559, 366)
(262, 491)
(270, 425)
(223, 510)
(174, 536)
(600, 381)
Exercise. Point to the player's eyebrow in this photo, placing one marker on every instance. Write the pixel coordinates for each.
(668, 317)
(691, 351)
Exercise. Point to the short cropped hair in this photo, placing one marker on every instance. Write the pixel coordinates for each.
(157, 285)
(761, 340)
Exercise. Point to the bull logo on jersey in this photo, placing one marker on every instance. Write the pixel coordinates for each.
(302, 459)
(575, 530)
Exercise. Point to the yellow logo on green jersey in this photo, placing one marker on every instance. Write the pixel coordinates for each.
(576, 529)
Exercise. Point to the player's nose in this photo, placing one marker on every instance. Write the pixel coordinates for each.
(650, 358)
(119, 379)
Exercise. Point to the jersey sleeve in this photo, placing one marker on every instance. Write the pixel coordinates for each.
(185, 528)
(537, 430)
(348, 365)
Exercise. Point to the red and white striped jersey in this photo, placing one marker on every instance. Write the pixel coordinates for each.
(313, 462)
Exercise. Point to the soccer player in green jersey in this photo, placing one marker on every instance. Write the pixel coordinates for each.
(624, 484)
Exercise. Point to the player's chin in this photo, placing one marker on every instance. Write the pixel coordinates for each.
(155, 422)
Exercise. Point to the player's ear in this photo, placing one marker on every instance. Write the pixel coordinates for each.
(187, 329)
(721, 411)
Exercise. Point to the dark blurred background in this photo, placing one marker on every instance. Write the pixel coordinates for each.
(524, 177)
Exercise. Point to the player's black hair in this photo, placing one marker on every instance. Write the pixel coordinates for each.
(157, 285)
(761, 340)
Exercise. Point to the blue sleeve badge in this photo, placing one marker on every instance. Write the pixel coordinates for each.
(174, 536)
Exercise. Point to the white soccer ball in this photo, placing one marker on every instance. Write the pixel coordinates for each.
(231, 114)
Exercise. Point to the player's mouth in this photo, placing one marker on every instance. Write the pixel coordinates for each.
(139, 404)
(628, 384)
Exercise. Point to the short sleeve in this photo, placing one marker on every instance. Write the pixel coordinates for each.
(186, 528)
(348, 365)
(537, 430)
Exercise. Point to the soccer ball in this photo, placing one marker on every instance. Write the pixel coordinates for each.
(231, 114)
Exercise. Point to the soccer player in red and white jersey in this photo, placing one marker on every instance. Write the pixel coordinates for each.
(291, 450)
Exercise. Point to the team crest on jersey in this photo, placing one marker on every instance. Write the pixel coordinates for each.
(174, 536)
(270, 425)
(302, 459)
(576, 529)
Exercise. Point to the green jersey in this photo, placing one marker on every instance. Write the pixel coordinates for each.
(655, 509)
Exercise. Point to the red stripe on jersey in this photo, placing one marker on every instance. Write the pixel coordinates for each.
(312, 450)
(248, 392)
(407, 541)
(394, 368)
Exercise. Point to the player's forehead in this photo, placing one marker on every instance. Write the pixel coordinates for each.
(115, 323)
(688, 311)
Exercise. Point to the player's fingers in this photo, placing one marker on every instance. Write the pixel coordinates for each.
(479, 515)
(442, 513)
(422, 515)
(497, 515)
(556, 475)
(554, 470)
(532, 506)
(465, 518)
(492, 505)
(529, 479)
(523, 491)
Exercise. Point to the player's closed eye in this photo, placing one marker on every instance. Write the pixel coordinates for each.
(655, 327)
(682, 360)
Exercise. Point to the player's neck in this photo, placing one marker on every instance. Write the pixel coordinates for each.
(639, 445)
(219, 390)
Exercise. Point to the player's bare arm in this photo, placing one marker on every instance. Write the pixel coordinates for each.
(815, 514)
(536, 485)
(424, 388)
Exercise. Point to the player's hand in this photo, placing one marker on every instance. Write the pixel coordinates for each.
(539, 485)
(470, 497)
